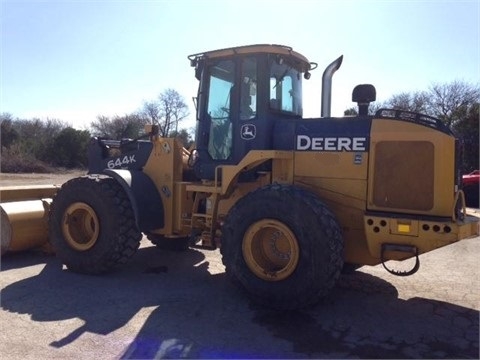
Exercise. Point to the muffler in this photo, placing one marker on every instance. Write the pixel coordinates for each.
(327, 86)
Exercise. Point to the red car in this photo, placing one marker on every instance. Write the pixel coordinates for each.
(471, 183)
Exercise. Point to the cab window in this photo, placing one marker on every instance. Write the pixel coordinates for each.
(221, 81)
(285, 87)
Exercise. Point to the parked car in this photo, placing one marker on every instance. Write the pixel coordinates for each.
(471, 183)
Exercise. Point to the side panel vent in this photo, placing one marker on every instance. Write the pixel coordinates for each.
(404, 175)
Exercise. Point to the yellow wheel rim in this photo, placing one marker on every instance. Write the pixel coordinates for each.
(270, 250)
(80, 226)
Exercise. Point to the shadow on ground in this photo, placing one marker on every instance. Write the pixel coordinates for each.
(199, 315)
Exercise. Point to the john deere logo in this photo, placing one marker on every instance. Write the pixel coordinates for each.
(248, 132)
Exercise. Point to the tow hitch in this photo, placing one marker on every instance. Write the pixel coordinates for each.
(401, 248)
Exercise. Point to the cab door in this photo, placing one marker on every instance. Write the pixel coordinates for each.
(215, 117)
(226, 126)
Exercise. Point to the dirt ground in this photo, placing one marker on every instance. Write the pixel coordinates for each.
(10, 179)
(189, 309)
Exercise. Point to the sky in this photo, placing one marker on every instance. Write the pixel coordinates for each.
(74, 60)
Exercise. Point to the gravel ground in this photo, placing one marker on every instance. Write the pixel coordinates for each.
(181, 305)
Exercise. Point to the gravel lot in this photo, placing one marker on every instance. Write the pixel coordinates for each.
(180, 305)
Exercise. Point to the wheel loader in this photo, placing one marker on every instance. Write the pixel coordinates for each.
(289, 201)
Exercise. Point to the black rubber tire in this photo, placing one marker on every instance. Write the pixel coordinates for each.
(349, 268)
(471, 195)
(118, 237)
(316, 232)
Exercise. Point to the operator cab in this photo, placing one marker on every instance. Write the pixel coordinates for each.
(242, 91)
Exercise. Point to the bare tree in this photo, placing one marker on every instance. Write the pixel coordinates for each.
(151, 111)
(167, 112)
(416, 102)
(446, 99)
(101, 126)
(118, 127)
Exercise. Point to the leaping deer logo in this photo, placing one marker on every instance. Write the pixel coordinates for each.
(248, 132)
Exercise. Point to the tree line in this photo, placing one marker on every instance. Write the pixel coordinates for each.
(34, 145)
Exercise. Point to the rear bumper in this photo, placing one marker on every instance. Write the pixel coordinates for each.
(424, 234)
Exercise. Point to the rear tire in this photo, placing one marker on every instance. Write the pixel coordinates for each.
(471, 195)
(283, 246)
(92, 225)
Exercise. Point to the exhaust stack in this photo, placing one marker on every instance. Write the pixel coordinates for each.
(327, 86)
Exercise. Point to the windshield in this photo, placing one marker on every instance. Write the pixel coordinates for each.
(285, 87)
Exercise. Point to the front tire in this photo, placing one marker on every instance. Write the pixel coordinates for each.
(283, 246)
(92, 225)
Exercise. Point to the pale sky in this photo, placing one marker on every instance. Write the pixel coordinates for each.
(74, 60)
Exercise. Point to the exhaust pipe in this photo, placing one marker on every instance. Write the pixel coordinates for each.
(327, 86)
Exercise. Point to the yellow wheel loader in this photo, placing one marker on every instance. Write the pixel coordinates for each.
(289, 201)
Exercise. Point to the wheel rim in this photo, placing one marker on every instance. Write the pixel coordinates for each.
(80, 226)
(270, 250)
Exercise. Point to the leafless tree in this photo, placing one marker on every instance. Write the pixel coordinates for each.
(118, 127)
(446, 99)
(151, 111)
(416, 101)
(166, 112)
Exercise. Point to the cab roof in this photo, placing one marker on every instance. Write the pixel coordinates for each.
(305, 65)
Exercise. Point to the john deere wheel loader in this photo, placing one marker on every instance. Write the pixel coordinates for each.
(288, 200)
